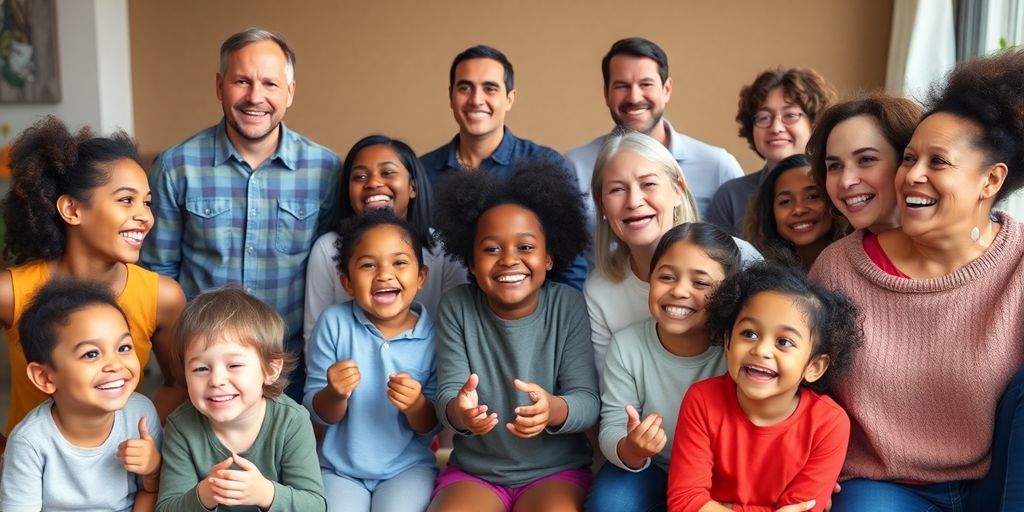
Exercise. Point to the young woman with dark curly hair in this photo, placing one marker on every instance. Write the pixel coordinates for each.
(79, 207)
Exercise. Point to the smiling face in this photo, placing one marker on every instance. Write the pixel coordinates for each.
(255, 91)
(380, 180)
(510, 260)
(225, 380)
(117, 216)
(680, 283)
(95, 367)
(860, 168)
(769, 353)
(801, 215)
(636, 98)
(638, 199)
(779, 140)
(478, 97)
(383, 277)
(944, 187)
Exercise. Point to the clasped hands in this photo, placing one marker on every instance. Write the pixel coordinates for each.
(530, 420)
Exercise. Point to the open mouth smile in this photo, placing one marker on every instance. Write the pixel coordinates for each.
(759, 373)
(678, 312)
(112, 385)
(386, 295)
(919, 202)
(511, 278)
(858, 200)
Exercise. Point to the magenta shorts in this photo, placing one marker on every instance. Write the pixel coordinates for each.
(509, 495)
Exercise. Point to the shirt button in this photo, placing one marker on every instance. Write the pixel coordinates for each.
(250, 249)
(301, 212)
(252, 212)
(386, 346)
(206, 211)
(248, 290)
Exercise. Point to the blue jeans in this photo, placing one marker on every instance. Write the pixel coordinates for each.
(617, 490)
(408, 491)
(1002, 489)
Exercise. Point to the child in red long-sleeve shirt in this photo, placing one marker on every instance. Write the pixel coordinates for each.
(759, 438)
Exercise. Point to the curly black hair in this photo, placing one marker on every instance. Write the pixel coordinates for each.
(51, 308)
(540, 185)
(834, 320)
(48, 161)
(351, 231)
(990, 92)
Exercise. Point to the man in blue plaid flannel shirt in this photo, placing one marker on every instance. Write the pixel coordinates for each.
(241, 202)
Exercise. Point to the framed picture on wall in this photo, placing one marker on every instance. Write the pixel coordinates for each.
(29, 67)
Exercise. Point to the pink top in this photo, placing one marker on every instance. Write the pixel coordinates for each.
(938, 354)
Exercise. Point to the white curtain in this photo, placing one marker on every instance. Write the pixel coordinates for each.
(1004, 25)
(992, 25)
(922, 48)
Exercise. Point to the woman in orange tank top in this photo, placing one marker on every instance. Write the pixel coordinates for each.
(79, 207)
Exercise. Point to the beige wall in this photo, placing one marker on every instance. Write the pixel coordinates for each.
(366, 67)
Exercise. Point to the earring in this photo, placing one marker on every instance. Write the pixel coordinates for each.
(975, 234)
(604, 218)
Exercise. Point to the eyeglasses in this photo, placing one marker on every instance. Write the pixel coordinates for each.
(765, 119)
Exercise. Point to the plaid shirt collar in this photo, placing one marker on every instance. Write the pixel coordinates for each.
(286, 152)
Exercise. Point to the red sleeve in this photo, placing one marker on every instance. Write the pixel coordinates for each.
(692, 459)
(818, 477)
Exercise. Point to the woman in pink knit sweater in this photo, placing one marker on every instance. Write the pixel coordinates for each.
(942, 296)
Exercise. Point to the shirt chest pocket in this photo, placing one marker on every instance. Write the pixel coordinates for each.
(210, 227)
(296, 225)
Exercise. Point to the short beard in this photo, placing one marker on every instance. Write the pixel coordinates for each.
(658, 118)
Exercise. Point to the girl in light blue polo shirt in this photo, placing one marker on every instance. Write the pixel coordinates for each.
(371, 378)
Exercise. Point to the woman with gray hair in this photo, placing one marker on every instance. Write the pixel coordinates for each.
(639, 194)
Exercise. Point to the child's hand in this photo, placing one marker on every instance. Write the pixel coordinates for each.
(644, 438)
(205, 487)
(530, 419)
(343, 377)
(797, 507)
(245, 486)
(140, 456)
(473, 415)
(404, 391)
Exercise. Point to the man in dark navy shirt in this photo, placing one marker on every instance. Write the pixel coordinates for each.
(481, 91)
